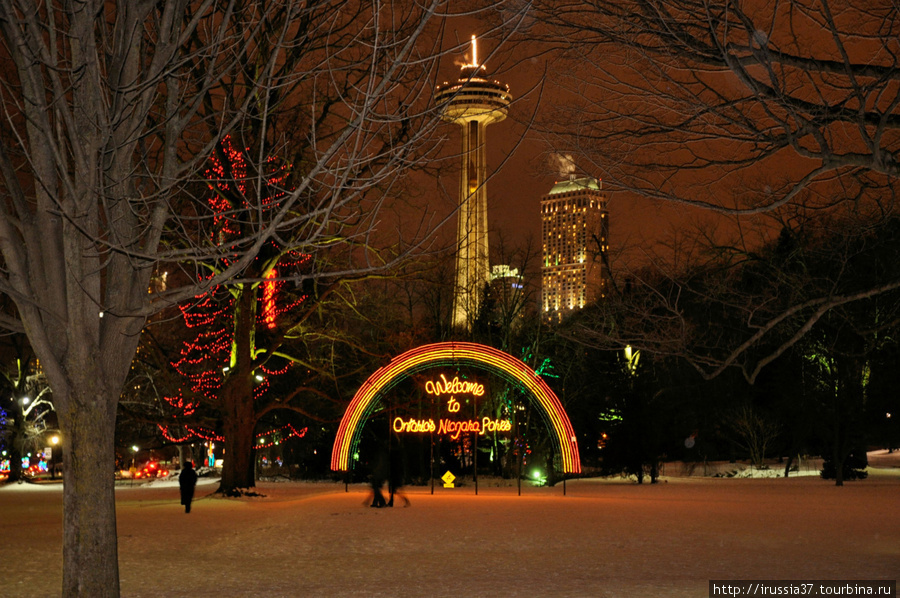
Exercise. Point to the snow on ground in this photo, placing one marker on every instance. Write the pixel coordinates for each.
(606, 538)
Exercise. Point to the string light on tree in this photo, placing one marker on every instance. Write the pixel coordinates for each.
(206, 361)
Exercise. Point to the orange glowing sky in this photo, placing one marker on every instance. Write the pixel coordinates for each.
(521, 169)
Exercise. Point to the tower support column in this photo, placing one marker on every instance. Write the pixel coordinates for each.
(472, 256)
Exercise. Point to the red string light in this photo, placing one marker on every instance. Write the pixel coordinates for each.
(293, 434)
(205, 361)
(210, 436)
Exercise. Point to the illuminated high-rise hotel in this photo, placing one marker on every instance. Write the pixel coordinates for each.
(574, 233)
(472, 102)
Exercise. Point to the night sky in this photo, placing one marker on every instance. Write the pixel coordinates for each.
(521, 168)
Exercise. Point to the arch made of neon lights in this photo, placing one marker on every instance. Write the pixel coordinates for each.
(456, 354)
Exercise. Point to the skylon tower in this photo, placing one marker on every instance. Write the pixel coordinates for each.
(472, 102)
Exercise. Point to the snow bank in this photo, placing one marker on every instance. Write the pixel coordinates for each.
(604, 538)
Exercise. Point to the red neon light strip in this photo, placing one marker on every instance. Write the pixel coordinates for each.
(456, 352)
(269, 288)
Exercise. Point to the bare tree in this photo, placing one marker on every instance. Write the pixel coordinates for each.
(683, 94)
(730, 306)
(28, 401)
(110, 109)
(739, 108)
(510, 302)
(754, 432)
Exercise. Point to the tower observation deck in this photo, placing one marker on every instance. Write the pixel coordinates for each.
(472, 102)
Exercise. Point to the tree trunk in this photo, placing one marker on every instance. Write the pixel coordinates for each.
(90, 562)
(838, 466)
(240, 425)
(238, 405)
(838, 452)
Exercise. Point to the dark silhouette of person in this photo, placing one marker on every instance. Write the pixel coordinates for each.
(395, 479)
(187, 479)
(379, 474)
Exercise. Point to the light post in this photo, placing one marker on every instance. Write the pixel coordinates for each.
(258, 459)
(890, 434)
(54, 440)
(134, 450)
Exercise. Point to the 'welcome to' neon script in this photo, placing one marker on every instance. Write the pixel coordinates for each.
(453, 387)
(451, 427)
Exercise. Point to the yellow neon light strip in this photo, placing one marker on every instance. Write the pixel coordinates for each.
(445, 353)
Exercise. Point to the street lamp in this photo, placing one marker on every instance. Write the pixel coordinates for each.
(890, 436)
(54, 440)
(134, 450)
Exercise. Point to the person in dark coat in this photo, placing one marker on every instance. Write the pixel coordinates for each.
(187, 479)
(380, 473)
(395, 481)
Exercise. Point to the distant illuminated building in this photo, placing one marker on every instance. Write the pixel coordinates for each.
(506, 276)
(506, 283)
(574, 232)
(508, 297)
(472, 102)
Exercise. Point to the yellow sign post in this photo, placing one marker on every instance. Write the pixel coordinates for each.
(448, 479)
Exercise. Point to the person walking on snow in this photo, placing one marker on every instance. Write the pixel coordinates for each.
(187, 479)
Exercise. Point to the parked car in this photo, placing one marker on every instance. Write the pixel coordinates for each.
(152, 470)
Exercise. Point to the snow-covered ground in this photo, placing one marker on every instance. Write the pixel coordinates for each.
(604, 538)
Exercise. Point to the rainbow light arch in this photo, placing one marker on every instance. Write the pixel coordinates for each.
(455, 354)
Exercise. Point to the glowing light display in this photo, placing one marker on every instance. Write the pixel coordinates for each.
(278, 435)
(205, 362)
(269, 288)
(450, 427)
(453, 387)
(455, 354)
